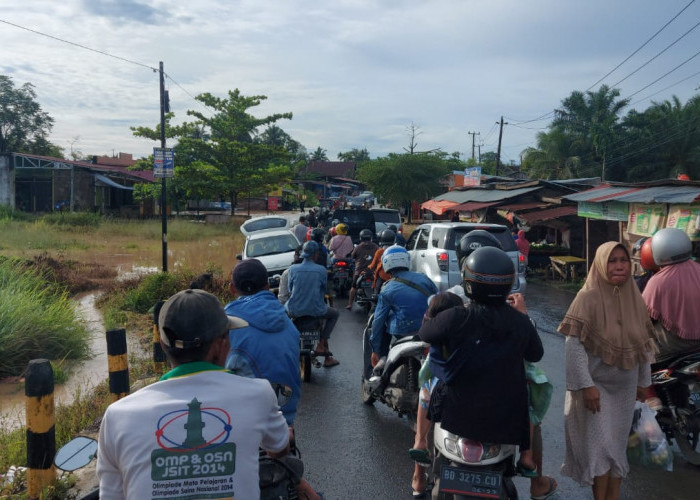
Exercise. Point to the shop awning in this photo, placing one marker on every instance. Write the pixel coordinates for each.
(438, 207)
(548, 214)
(109, 182)
(472, 206)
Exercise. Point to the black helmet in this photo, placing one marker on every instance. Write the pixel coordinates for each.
(488, 275)
(387, 237)
(365, 235)
(392, 227)
(318, 234)
(475, 239)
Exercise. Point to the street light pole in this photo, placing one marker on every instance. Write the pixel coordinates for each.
(164, 218)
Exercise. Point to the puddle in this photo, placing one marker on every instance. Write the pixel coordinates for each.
(83, 376)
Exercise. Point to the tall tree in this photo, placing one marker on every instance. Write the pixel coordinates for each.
(399, 179)
(319, 154)
(356, 155)
(24, 126)
(551, 159)
(591, 119)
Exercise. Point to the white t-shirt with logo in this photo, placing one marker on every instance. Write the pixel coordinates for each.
(190, 437)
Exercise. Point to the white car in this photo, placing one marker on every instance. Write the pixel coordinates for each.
(274, 248)
(268, 222)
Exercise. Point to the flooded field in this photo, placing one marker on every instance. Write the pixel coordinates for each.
(134, 251)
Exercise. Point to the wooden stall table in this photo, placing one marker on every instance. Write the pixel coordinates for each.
(566, 266)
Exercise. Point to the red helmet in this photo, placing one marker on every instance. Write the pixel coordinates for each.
(646, 258)
(308, 234)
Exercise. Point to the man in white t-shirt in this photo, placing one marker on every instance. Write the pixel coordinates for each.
(197, 432)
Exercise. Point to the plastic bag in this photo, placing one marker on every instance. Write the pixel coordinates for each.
(647, 445)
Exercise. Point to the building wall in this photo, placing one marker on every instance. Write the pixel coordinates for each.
(7, 185)
(83, 188)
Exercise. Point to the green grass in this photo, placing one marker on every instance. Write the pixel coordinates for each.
(37, 320)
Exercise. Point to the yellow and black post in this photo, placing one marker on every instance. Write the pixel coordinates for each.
(158, 354)
(118, 363)
(41, 433)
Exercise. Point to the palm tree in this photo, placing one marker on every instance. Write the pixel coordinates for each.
(319, 154)
(552, 158)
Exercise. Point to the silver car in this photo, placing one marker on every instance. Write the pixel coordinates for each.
(432, 249)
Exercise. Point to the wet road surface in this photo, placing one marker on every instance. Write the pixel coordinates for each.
(354, 451)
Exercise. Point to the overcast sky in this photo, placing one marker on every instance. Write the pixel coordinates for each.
(355, 73)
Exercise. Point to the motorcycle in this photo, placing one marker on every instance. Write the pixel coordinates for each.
(365, 296)
(341, 276)
(394, 381)
(677, 385)
(309, 334)
(469, 469)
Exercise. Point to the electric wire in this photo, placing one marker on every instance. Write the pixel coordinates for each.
(642, 46)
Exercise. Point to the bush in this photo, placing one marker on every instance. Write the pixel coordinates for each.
(151, 289)
(9, 213)
(81, 220)
(37, 320)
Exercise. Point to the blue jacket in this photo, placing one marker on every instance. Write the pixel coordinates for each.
(307, 288)
(400, 307)
(267, 348)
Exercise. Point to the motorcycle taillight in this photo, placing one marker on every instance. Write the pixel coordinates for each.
(471, 451)
(341, 263)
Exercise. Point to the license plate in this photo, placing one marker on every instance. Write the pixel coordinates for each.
(470, 482)
(339, 275)
(310, 335)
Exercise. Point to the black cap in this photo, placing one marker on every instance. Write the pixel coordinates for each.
(249, 276)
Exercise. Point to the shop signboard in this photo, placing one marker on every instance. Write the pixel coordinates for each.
(645, 220)
(686, 218)
(607, 210)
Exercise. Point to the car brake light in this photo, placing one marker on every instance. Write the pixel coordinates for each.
(443, 260)
(522, 263)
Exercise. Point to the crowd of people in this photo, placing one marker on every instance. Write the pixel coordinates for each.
(480, 380)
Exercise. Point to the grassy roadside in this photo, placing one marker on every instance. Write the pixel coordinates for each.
(72, 252)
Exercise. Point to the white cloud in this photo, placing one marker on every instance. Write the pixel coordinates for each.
(355, 73)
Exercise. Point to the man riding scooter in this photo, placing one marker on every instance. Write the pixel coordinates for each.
(401, 304)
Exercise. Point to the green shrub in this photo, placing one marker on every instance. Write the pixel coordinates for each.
(82, 220)
(7, 212)
(37, 320)
(151, 289)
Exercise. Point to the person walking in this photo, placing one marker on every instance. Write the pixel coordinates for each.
(609, 345)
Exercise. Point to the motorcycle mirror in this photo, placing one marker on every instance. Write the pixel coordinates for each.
(283, 393)
(76, 453)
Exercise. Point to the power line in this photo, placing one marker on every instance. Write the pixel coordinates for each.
(642, 46)
(665, 88)
(665, 74)
(80, 46)
(657, 55)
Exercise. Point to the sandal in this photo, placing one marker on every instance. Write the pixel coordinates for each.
(523, 471)
(330, 362)
(421, 457)
(551, 491)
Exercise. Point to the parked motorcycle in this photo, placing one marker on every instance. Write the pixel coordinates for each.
(309, 334)
(469, 469)
(394, 381)
(365, 296)
(341, 276)
(677, 385)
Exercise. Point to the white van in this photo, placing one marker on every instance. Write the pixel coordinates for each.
(385, 217)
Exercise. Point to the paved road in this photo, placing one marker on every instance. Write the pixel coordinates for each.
(352, 451)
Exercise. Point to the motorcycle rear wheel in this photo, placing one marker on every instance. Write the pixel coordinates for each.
(687, 441)
(305, 366)
(367, 397)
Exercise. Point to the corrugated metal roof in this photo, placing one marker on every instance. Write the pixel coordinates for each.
(438, 207)
(549, 213)
(627, 194)
(471, 206)
(484, 195)
(523, 206)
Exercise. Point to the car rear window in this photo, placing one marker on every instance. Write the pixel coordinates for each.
(272, 245)
(502, 233)
(259, 225)
(387, 216)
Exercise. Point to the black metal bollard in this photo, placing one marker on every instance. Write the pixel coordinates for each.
(118, 363)
(41, 433)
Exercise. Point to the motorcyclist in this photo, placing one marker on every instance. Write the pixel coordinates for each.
(399, 239)
(386, 239)
(362, 255)
(307, 287)
(478, 354)
(642, 249)
(318, 235)
(401, 304)
(340, 245)
(672, 294)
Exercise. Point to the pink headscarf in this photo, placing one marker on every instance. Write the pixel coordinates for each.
(673, 296)
(523, 244)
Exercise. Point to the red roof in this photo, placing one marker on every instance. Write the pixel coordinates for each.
(470, 206)
(332, 168)
(523, 206)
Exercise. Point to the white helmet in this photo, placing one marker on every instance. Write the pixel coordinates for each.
(670, 246)
(395, 257)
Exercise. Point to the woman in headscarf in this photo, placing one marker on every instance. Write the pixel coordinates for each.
(522, 243)
(609, 346)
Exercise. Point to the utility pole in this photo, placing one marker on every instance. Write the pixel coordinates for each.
(500, 136)
(473, 134)
(164, 217)
(479, 146)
